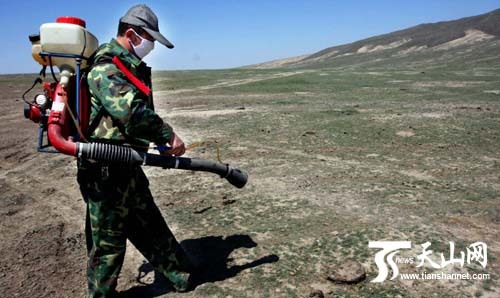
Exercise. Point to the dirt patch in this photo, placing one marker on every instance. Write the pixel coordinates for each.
(377, 48)
(471, 37)
(448, 84)
(430, 115)
(45, 254)
(405, 133)
(303, 93)
(205, 113)
(496, 92)
(234, 82)
(412, 49)
(278, 63)
(321, 58)
(398, 81)
(419, 175)
(435, 115)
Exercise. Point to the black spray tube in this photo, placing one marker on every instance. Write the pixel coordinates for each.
(120, 154)
(235, 176)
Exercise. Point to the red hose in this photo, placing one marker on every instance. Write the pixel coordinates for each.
(58, 129)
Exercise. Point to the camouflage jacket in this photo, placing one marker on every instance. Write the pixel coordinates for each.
(128, 115)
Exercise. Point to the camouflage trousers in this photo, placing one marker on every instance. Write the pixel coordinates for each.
(120, 207)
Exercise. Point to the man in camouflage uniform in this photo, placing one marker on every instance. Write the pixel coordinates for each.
(119, 203)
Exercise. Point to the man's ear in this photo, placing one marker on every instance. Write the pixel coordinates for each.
(131, 35)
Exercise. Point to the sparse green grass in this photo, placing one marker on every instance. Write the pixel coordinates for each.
(338, 158)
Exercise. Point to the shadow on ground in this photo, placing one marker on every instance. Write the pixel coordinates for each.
(211, 255)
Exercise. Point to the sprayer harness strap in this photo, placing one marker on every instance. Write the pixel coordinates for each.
(97, 119)
(131, 77)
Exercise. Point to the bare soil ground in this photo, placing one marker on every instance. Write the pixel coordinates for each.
(335, 159)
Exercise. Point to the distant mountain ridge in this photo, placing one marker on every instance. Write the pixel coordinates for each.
(479, 34)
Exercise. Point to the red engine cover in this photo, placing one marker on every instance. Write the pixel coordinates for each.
(35, 113)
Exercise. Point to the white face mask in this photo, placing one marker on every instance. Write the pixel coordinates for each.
(144, 48)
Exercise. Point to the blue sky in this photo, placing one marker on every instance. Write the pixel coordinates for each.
(210, 34)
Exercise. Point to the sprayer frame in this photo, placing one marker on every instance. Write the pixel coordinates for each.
(78, 60)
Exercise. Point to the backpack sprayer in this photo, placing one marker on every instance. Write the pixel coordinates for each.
(68, 45)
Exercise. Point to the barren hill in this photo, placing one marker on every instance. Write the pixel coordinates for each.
(472, 40)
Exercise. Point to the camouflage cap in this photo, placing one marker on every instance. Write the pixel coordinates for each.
(142, 16)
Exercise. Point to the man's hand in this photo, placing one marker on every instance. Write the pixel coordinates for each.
(178, 147)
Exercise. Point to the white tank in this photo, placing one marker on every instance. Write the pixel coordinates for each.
(67, 36)
(36, 48)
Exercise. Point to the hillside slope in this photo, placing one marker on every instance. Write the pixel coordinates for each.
(468, 41)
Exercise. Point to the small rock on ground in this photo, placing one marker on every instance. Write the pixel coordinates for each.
(316, 294)
(349, 272)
